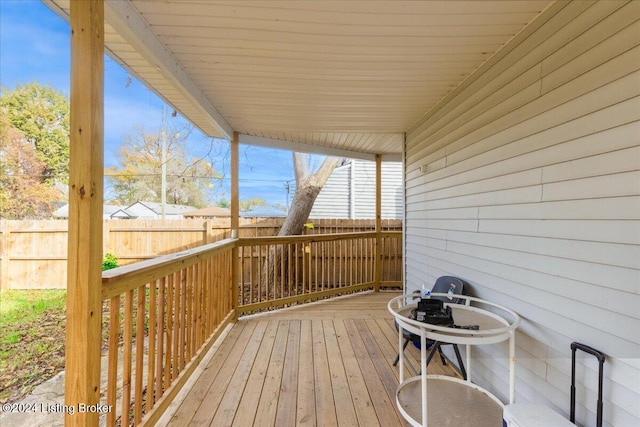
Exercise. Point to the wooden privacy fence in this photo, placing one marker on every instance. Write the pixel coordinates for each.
(33, 254)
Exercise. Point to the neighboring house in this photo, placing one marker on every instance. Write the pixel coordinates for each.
(123, 213)
(212, 212)
(264, 212)
(350, 192)
(108, 212)
(153, 210)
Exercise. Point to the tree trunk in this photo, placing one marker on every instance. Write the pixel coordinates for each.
(308, 186)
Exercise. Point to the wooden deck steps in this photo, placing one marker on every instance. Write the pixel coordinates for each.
(320, 364)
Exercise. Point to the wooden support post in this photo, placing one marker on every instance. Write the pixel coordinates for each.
(86, 163)
(235, 222)
(378, 278)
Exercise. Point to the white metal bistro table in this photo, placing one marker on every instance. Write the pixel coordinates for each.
(444, 400)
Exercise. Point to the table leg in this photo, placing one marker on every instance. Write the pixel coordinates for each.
(512, 367)
(400, 354)
(423, 376)
(468, 351)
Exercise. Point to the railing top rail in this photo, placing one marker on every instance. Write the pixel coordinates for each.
(311, 238)
(122, 279)
(125, 278)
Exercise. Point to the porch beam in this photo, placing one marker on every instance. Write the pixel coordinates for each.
(312, 148)
(127, 21)
(378, 272)
(86, 164)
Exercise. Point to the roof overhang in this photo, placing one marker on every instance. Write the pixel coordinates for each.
(331, 77)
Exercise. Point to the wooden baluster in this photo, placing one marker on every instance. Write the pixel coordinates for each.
(289, 265)
(126, 357)
(252, 274)
(140, 315)
(241, 274)
(188, 321)
(197, 312)
(151, 368)
(183, 319)
(162, 303)
(171, 309)
(114, 345)
(260, 275)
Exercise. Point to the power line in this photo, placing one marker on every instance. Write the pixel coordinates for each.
(151, 175)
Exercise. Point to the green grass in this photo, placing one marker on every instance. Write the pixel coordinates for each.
(32, 338)
(18, 306)
(32, 335)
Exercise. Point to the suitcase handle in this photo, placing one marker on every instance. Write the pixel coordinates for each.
(601, 357)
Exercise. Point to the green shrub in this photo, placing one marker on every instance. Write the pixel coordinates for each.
(109, 261)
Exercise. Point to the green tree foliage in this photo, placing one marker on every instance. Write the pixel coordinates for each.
(139, 176)
(41, 113)
(248, 204)
(23, 195)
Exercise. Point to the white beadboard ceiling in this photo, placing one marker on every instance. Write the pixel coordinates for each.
(340, 77)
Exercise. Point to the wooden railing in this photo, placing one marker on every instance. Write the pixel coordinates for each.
(278, 271)
(161, 316)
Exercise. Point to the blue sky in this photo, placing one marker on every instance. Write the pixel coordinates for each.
(34, 46)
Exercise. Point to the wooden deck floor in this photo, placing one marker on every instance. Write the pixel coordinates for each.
(323, 364)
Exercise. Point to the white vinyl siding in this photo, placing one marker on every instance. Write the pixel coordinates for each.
(525, 181)
(333, 201)
(350, 192)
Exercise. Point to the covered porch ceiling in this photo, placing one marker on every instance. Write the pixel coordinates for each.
(344, 78)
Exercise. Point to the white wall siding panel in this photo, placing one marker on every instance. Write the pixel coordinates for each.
(525, 181)
(333, 200)
(340, 198)
(364, 190)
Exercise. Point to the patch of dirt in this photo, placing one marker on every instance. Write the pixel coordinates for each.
(36, 355)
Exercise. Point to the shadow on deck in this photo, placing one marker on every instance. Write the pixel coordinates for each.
(321, 364)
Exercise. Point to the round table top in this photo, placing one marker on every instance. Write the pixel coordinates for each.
(494, 322)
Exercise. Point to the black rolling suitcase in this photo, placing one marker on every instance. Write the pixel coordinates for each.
(525, 415)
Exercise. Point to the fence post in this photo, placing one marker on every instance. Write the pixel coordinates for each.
(208, 232)
(6, 254)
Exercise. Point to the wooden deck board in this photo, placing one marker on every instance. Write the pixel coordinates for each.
(250, 398)
(211, 401)
(356, 379)
(342, 394)
(200, 389)
(325, 408)
(306, 399)
(229, 404)
(287, 405)
(383, 404)
(266, 413)
(327, 363)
